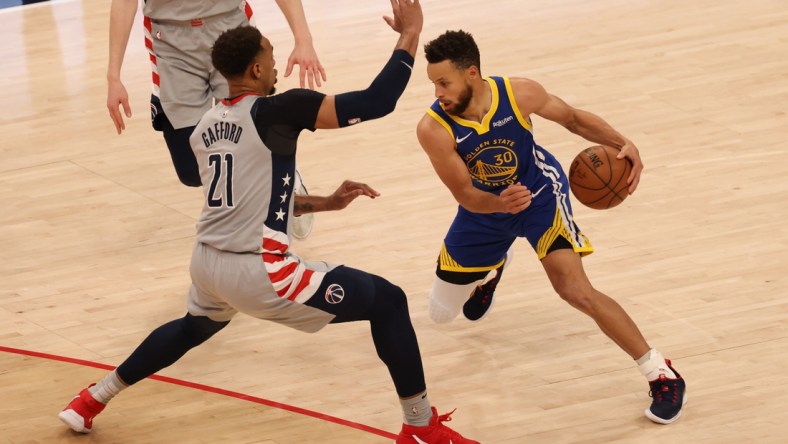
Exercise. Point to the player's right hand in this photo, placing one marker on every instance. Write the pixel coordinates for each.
(116, 97)
(408, 16)
(515, 198)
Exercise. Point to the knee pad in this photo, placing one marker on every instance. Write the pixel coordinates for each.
(446, 299)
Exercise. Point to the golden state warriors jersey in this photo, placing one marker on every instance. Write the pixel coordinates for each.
(500, 150)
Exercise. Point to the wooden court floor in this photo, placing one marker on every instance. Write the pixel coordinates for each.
(96, 233)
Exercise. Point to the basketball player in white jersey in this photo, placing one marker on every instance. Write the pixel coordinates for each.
(179, 35)
(245, 148)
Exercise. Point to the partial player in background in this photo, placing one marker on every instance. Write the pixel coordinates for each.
(179, 35)
(246, 148)
(479, 138)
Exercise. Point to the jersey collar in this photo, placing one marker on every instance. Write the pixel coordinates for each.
(229, 102)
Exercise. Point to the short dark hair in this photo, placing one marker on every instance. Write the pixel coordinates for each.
(455, 46)
(235, 50)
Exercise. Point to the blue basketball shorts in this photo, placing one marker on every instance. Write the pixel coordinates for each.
(479, 242)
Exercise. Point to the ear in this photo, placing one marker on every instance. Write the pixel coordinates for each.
(256, 72)
(473, 72)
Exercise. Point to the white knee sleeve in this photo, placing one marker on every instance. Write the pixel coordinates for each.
(446, 300)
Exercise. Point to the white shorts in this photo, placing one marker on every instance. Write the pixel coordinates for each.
(225, 283)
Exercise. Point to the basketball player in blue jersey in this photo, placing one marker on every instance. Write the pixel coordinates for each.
(246, 148)
(179, 35)
(479, 138)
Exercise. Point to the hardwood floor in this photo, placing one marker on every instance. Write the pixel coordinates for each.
(96, 233)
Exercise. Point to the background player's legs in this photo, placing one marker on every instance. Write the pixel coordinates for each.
(181, 152)
(163, 347)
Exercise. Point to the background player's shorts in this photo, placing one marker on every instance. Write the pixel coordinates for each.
(183, 76)
(225, 283)
(479, 242)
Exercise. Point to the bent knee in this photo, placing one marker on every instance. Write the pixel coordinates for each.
(441, 314)
(446, 299)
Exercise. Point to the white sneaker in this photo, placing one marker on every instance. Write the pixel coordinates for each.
(301, 226)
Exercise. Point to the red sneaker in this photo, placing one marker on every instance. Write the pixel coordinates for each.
(79, 413)
(434, 433)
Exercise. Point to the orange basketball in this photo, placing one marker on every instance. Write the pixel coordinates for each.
(599, 180)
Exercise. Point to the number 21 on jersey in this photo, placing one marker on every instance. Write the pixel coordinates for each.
(222, 166)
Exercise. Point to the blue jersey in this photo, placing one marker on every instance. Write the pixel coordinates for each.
(498, 152)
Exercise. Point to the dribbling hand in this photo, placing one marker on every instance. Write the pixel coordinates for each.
(630, 151)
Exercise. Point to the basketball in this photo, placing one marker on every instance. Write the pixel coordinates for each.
(599, 180)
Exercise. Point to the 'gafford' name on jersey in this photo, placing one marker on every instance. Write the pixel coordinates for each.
(221, 130)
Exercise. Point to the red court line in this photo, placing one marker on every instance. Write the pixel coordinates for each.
(210, 389)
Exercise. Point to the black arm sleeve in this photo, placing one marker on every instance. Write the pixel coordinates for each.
(381, 96)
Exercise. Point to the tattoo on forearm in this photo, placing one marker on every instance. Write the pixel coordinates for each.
(302, 208)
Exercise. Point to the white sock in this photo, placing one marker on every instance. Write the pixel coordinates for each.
(416, 410)
(653, 364)
(107, 388)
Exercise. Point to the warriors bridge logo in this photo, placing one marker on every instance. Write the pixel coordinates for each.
(493, 163)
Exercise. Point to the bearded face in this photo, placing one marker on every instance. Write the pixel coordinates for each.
(462, 102)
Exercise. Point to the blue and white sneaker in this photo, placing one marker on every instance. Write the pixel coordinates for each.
(668, 397)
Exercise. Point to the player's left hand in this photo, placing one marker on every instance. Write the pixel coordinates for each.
(348, 192)
(309, 67)
(630, 151)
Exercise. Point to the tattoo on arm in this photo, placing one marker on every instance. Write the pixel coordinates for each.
(300, 208)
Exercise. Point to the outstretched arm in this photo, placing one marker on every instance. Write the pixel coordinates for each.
(121, 19)
(440, 148)
(304, 54)
(380, 98)
(532, 98)
(338, 200)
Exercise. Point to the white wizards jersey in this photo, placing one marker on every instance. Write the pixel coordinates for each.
(245, 149)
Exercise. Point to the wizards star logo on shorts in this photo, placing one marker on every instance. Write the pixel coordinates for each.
(493, 165)
(334, 294)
